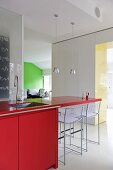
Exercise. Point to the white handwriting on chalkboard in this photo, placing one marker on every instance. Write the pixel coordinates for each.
(4, 49)
(5, 38)
(5, 68)
(4, 78)
(4, 88)
(4, 58)
(2, 38)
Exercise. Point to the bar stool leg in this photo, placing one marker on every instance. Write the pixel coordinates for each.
(81, 133)
(86, 128)
(64, 141)
(60, 132)
(83, 129)
(98, 131)
(73, 129)
(70, 133)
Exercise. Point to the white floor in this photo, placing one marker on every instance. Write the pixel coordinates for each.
(98, 157)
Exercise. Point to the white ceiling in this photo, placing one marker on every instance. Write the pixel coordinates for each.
(40, 22)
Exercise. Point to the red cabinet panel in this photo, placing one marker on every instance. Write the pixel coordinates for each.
(38, 140)
(9, 143)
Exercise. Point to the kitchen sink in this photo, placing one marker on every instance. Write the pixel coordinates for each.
(24, 105)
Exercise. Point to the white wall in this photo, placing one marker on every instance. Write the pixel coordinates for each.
(12, 26)
(47, 72)
(84, 63)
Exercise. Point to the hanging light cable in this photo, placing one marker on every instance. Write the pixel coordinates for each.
(56, 18)
(72, 70)
(56, 69)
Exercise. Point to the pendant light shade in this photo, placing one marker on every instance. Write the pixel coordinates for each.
(56, 70)
(72, 71)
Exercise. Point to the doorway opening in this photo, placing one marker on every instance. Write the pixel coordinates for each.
(104, 79)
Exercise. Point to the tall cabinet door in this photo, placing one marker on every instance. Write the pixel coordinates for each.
(9, 143)
(38, 140)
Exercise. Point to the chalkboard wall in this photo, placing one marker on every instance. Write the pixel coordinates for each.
(4, 67)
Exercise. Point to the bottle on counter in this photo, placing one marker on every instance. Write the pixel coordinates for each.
(87, 95)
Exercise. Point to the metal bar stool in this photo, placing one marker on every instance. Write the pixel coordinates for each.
(92, 110)
(70, 116)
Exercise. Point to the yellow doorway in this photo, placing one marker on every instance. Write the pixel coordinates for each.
(101, 70)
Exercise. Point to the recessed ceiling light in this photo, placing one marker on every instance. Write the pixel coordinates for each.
(97, 12)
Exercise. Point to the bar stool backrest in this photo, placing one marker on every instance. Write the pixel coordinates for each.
(71, 113)
(94, 108)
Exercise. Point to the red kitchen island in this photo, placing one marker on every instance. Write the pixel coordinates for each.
(29, 136)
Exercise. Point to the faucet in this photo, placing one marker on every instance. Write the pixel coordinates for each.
(16, 85)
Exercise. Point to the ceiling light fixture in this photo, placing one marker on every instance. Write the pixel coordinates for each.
(97, 12)
(56, 69)
(72, 70)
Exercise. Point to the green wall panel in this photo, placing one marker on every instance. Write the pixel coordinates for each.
(33, 76)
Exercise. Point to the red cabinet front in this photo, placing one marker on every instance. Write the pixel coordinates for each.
(38, 140)
(9, 143)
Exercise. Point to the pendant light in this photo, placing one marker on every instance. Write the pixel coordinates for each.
(72, 70)
(56, 69)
